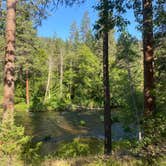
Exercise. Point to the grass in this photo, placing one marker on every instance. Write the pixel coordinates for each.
(101, 160)
(94, 161)
(119, 157)
(21, 107)
(18, 107)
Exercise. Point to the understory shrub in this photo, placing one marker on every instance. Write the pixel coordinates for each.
(152, 147)
(79, 147)
(15, 146)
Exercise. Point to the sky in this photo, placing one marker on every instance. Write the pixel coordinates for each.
(58, 23)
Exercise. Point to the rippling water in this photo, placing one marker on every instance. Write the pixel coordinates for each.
(52, 127)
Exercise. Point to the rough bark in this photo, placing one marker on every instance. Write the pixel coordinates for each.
(9, 59)
(107, 107)
(27, 87)
(149, 101)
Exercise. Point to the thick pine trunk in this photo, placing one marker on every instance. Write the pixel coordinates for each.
(149, 101)
(9, 59)
(107, 107)
(27, 87)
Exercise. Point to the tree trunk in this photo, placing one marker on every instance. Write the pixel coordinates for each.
(27, 87)
(61, 72)
(149, 101)
(71, 82)
(9, 59)
(0, 8)
(49, 79)
(107, 108)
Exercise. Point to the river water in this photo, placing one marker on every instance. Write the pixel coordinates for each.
(53, 127)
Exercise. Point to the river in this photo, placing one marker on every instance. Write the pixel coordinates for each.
(53, 127)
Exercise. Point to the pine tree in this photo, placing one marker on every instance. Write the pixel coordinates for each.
(9, 60)
(74, 34)
(149, 101)
(107, 21)
(0, 8)
(85, 30)
(104, 19)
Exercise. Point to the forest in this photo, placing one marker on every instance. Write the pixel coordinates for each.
(97, 98)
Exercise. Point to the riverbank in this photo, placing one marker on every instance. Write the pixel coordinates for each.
(74, 139)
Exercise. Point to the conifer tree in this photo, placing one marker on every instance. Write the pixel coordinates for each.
(108, 19)
(85, 27)
(9, 59)
(149, 101)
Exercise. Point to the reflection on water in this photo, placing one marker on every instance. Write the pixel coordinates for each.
(52, 127)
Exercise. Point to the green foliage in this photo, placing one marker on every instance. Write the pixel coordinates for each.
(82, 123)
(7, 134)
(122, 145)
(81, 83)
(111, 15)
(151, 147)
(15, 146)
(31, 153)
(37, 103)
(57, 103)
(79, 147)
(127, 79)
(12, 140)
(160, 68)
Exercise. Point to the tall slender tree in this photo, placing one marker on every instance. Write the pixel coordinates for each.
(47, 93)
(85, 28)
(74, 33)
(109, 16)
(27, 87)
(149, 100)
(0, 8)
(9, 59)
(61, 71)
(104, 21)
(107, 108)
(50, 65)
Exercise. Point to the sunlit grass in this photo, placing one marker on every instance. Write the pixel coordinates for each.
(94, 161)
(21, 107)
(98, 161)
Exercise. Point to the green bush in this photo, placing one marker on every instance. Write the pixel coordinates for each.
(12, 140)
(151, 147)
(15, 147)
(79, 147)
(31, 153)
(58, 103)
(37, 104)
